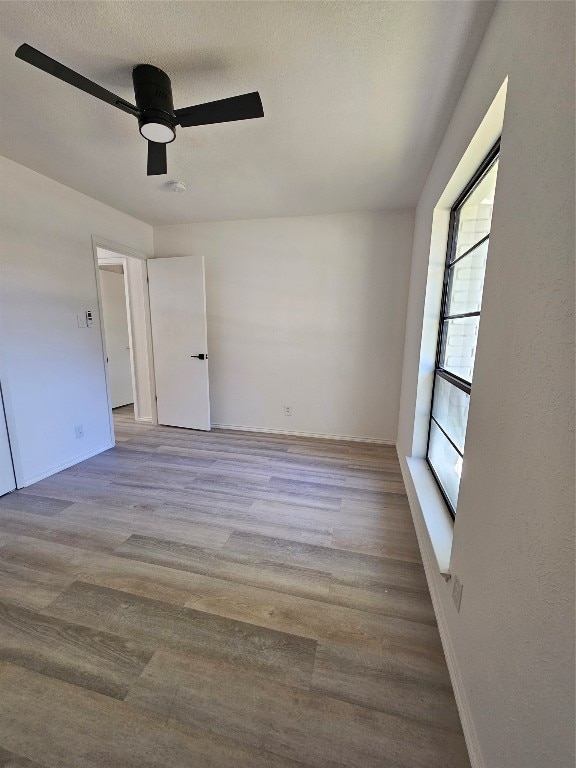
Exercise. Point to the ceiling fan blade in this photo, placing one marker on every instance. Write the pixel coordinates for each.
(52, 67)
(157, 164)
(244, 107)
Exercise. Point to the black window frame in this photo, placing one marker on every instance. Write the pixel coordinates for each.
(443, 373)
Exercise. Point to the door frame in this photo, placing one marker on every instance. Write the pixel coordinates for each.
(121, 253)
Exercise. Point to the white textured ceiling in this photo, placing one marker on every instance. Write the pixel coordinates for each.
(356, 98)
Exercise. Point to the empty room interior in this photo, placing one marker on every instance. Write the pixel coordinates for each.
(287, 384)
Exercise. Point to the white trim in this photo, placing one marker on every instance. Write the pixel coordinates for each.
(430, 568)
(322, 436)
(144, 420)
(149, 346)
(433, 510)
(114, 260)
(77, 460)
(123, 250)
(102, 344)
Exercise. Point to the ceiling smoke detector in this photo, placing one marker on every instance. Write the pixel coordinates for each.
(176, 186)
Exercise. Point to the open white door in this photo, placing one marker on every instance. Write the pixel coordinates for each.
(179, 339)
(7, 480)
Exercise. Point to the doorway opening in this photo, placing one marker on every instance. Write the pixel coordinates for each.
(122, 277)
(115, 301)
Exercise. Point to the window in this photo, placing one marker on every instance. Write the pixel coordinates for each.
(468, 239)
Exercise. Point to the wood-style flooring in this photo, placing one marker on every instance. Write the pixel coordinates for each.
(220, 600)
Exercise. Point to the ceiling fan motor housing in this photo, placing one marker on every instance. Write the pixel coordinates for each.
(153, 93)
(157, 118)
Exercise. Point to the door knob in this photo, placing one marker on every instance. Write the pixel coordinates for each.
(200, 356)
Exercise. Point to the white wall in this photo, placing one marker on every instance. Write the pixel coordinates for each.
(52, 371)
(513, 642)
(307, 312)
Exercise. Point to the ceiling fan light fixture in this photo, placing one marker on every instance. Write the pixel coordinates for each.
(154, 110)
(161, 133)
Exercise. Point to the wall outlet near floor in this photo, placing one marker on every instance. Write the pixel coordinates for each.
(287, 410)
(79, 429)
(457, 593)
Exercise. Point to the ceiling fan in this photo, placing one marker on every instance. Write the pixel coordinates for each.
(154, 108)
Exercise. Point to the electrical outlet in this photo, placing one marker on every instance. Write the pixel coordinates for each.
(457, 593)
(287, 410)
(79, 429)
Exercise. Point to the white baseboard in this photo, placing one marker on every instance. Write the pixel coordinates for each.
(53, 470)
(144, 419)
(321, 435)
(430, 563)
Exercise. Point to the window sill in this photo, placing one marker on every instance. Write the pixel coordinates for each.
(428, 504)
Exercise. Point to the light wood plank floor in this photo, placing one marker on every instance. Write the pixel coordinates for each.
(220, 600)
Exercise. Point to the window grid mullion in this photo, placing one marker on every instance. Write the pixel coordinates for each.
(447, 436)
(476, 313)
(469, 251)
(456, 381)
(441, 489)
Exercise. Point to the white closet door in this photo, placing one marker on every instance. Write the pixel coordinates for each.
(179, 338)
